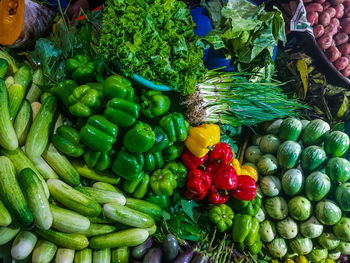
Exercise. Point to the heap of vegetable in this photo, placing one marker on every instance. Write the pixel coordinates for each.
(303, 176)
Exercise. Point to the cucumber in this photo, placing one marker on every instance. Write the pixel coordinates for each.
(102, 196)
(290, 129)
(34, 193)
(11, 194)
(5, 217)
(35, 108)
(145, 207)
(64, 255)
(269, 144)
(338, 169)
(97, 229)
(100, 220)
(23, 76)
(61, 165)
(83, 256)
(44, 251)
(21, 161)
(312, 158)
(315, 132)
(38, 135)
(130, 238)
(100, 176)
(8, 137)
(67, 240)
(107, 186)
(44, 168)
(16, 95)
(7, 234)
(101, 256)
(4, 65)
(288, 154)
(73, 199)
(23, 245)
(127, 216)
(120, 255)
(9, 81)
(68, 221)
(336, 144)
(23, 121)
(151, 230)
(34, 92)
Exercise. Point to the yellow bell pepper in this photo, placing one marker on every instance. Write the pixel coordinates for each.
(301, 259)
(235, 164)
(202, 137)
(244, 169)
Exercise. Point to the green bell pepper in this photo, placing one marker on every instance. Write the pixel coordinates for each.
(128, 165)
(4, 65)
(117, 86)
(179, 171)
(221, 216)
(85, 100)
(139, 187)
(241, 227)
(175, 127)
(161, 200)
(100, 160)
(154, 103)
(253, 232)
(247, 207)
(139, 138)
(163, 182)
(173, 151)
(67, 140)
(153, 161)
(99, 134)
(63, 90)
(256, 247)
(162, 140)
(81, 68)
(122, 112)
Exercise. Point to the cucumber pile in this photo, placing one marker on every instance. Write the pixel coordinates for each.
(47, 213)
(304, 174)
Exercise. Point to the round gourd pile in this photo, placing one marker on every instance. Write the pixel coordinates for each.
(304, 177)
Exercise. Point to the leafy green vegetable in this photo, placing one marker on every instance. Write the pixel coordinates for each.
(246, 33)
(155, 40)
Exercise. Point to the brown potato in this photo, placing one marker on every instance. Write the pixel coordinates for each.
(341, 63)
(333, 53)
(318, 31)
(325, 41)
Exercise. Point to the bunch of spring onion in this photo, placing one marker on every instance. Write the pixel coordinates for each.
(231, 98)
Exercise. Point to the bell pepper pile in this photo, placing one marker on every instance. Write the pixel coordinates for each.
(131, 133)
(213, 173)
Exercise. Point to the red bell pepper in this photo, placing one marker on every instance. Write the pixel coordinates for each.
(222, 153)
(198, 184)
(225, 177)
(210, 168)
(191, 161)
(215, 197)
(246, 188)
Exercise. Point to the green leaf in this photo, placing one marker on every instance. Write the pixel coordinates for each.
(166, 215)
(188, 207)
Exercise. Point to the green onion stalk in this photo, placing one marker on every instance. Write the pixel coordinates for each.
(230, 98)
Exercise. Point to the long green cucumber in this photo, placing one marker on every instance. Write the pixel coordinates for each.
(145, 207)
(11, 194)
(44, 168)
(61, 165)
(120, 255)
(44, 251)
(107, 186)
(127, 216)
(23, 76)
(21, 161)
(73, 241)
(8, 137)
(16, 95)
(35, 195)
(5, 217)
(100, 220)
(34, 91)
(83, 256)
(23, 245)
(73, 199)
(7, 234)
(23, 121)
(38, 135)
(151, 230)
(129, 238)
(64, 255)
(68, 221)
(99, 176)
(101, 256)
(98, 229)
(102, 196)
(4, 66)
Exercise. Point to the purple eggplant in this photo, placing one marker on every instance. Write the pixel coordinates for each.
(141, 250)
(170, 247)
(199, 258)
(154, 255)
(184, 257)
